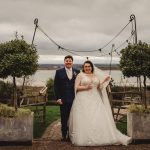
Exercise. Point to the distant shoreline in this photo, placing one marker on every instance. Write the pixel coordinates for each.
(58, 68)
(79, 66)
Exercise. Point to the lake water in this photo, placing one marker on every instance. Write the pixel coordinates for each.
(41, 76)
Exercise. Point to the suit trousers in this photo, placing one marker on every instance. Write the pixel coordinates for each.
(65, 112)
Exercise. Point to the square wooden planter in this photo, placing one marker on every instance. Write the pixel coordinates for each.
(16, 130)
(138, 126)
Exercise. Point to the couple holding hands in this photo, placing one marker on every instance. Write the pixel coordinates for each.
(86, 117)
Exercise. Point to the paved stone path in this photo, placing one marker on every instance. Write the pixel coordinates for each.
(53, 132)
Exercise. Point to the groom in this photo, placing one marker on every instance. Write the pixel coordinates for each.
(64, 91)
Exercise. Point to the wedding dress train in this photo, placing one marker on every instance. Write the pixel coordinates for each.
(91, 122)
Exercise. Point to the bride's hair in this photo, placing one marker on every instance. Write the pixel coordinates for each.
(88, 62)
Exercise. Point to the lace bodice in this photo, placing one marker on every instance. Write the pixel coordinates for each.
(86, 80)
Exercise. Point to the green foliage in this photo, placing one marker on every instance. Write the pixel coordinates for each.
(17, 59)
(50, 90)
(7, 111)
(5, 90)
(139, 108)
(135, 60)
(122, 126)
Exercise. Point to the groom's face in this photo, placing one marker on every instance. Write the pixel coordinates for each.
(68, 63)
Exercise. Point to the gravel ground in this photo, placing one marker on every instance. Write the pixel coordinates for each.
(58, 145)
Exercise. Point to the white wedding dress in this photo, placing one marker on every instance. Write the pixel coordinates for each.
(91, 122)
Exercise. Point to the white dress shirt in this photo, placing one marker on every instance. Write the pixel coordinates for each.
(69, 73)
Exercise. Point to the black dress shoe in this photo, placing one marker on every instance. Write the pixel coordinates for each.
(68, 139)
(64, 139)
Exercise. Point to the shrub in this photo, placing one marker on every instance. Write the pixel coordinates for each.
(7, 111)
(50, 90)
(139, 108)
(6, 90)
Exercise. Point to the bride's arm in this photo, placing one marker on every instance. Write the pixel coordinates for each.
(106, 79)
(100, 85)
(84, 87)
(78, 86)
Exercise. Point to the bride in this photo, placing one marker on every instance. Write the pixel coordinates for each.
(91, 122)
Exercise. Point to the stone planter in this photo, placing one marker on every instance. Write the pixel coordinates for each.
(16, 129)
(138, 126)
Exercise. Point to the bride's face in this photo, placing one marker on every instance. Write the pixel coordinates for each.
(87, 68)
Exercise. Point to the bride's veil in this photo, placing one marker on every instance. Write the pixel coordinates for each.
(101, 75)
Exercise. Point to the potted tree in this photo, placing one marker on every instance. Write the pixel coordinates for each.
(135, 62)
(17, 59)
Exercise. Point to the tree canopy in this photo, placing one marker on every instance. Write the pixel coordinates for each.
(135, 60)
(17, 59)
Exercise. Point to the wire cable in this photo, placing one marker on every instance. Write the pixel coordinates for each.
(100, 49)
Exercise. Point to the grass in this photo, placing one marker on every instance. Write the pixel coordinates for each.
(122, 125)
(52, 114)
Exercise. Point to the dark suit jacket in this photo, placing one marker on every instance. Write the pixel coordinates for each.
(63, 87)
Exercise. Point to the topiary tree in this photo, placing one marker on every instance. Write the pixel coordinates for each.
(17, 59)
(135, 62)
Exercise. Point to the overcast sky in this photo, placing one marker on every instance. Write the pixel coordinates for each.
(74, 24)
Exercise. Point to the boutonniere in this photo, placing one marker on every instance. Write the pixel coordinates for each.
(74, 74)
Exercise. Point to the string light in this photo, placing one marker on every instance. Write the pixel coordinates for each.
(100, 50)
(75, 52)
(85, 51)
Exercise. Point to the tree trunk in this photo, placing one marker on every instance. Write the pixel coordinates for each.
(140, 88)
(24, 79)
(144, 96)
(15, 93)
(138, 84)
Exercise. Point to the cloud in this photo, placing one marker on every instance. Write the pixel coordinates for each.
(74, 24)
